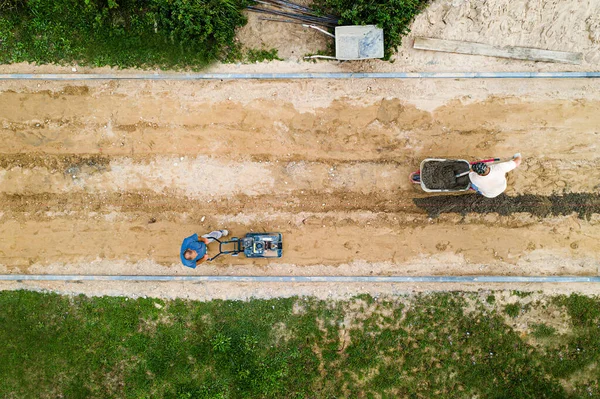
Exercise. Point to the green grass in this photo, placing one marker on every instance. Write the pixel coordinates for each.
(424, 346)
(584, 311)
(522, 294)
(260, 55)
(124, 33)
(512, 309)
(542, 331)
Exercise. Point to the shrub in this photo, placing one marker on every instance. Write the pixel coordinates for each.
(125, 33)
(393, 16)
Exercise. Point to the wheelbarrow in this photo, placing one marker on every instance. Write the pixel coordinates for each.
(253, 245)
(437, 175)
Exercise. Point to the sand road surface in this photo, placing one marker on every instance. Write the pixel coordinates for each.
(108, 177)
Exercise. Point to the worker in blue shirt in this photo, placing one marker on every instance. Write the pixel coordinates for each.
(193, 248)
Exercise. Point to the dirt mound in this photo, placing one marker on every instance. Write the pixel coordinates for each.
(51, 161)
(583, 204)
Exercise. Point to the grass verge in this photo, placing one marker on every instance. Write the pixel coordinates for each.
(441, 345)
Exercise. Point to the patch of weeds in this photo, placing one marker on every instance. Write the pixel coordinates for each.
(521, 294)
(260, 55)
(584, 311)
(491, 299)
(366, 298)
(542, 330)
(363, 353)
(577, 351)
(512, 309)
(447, 349)
(237, 53)
(221, 343)
(233, 54)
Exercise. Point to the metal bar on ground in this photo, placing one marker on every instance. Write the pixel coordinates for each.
(319, 29)
(300, 17)
(514, 52)
(306, 279)
(302, 75)
(295, 7)
(281, 20)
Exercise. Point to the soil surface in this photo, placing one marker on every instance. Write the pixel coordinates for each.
(583, 204)
(109, 177)
(442, 175)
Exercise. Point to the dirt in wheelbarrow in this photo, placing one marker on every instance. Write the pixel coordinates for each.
(441, 175)
(583, 204)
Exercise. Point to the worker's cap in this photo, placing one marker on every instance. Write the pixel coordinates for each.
(480, 168)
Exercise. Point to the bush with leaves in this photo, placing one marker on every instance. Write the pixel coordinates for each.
(393, 16)
(125, 33)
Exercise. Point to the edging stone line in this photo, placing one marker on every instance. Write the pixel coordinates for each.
(306, 279)
(323, 75)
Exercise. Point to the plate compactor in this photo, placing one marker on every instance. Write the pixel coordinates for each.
(254, 245)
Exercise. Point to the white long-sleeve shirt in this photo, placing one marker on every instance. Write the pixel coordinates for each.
(494, 183)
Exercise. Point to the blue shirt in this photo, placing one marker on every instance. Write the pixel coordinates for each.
(192, 243)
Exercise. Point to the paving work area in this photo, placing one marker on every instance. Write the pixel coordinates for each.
(395, 280)
(107, 177)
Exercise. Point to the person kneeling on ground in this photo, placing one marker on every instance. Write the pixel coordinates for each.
(490, 180)
(193, 249)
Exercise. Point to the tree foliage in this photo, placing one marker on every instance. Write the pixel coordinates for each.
(125, 33)
(393, 16)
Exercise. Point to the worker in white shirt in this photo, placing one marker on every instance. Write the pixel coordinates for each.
(490, 180)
